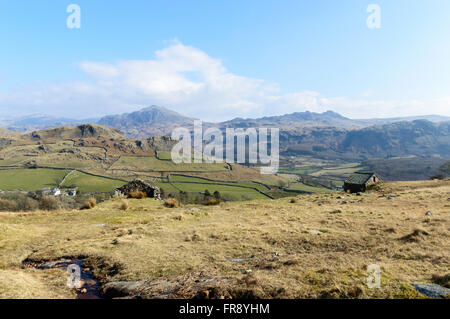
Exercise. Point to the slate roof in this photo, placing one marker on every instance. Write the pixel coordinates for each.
(359, 178)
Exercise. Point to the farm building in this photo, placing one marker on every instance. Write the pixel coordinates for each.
(138, 186)
(359, 181)
(71, 192)
(56, 192)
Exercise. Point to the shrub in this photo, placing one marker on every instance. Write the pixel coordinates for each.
(171, 202)
(137, 195)
(124, 205)
(7, 205)
(212, 202)
(217, 195)
(36, 200)
(30, 204)
(48, 203)
(85, 205)
(293, 201)
(18, 202)
(91, 203)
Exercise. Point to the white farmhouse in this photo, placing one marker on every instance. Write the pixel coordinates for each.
(56, 192)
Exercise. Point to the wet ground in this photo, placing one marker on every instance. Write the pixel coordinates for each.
(89, 288)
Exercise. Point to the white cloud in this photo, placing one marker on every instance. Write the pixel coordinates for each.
(187, 80)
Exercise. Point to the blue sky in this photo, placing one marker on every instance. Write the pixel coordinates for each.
(225, 58)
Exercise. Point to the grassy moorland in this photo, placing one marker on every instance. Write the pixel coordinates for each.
(307, 246)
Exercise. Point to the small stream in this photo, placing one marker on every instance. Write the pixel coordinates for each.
(90, 288)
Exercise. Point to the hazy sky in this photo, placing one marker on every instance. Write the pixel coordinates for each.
(219, 59)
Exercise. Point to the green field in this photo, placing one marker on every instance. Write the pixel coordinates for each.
(30, 179)
(238, 193)
(306, 188)
(148, 163)
(189, 179)
(167, 188)
(162, 155)
(88, 183)
(35, 179)
(304, 170)
(341, 171)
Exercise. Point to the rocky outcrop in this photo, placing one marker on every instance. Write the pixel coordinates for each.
(432, 290)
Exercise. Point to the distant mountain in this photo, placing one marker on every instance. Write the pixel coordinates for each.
(420, 137)
(328, 118)
(296, 119)
(381, 121)
(40, 121)
(159, 121)
(150, 121)
(329, 135)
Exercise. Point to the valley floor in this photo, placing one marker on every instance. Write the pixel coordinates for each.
(309, 246)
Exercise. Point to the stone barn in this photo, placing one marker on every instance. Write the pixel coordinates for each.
(138, 185)
(359, 181)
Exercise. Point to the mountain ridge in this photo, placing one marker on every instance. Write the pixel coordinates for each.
(157, 121)
(327, 135)
(149, 121)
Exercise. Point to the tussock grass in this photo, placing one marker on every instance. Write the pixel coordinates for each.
(124, 205)
(171, 203)
(212, 202)
(89, 204)
(416, 236)
(48, 203)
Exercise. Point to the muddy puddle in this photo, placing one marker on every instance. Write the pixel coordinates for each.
(89, 288)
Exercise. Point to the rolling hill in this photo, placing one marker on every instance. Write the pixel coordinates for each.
(98, 158)
(7, 133)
